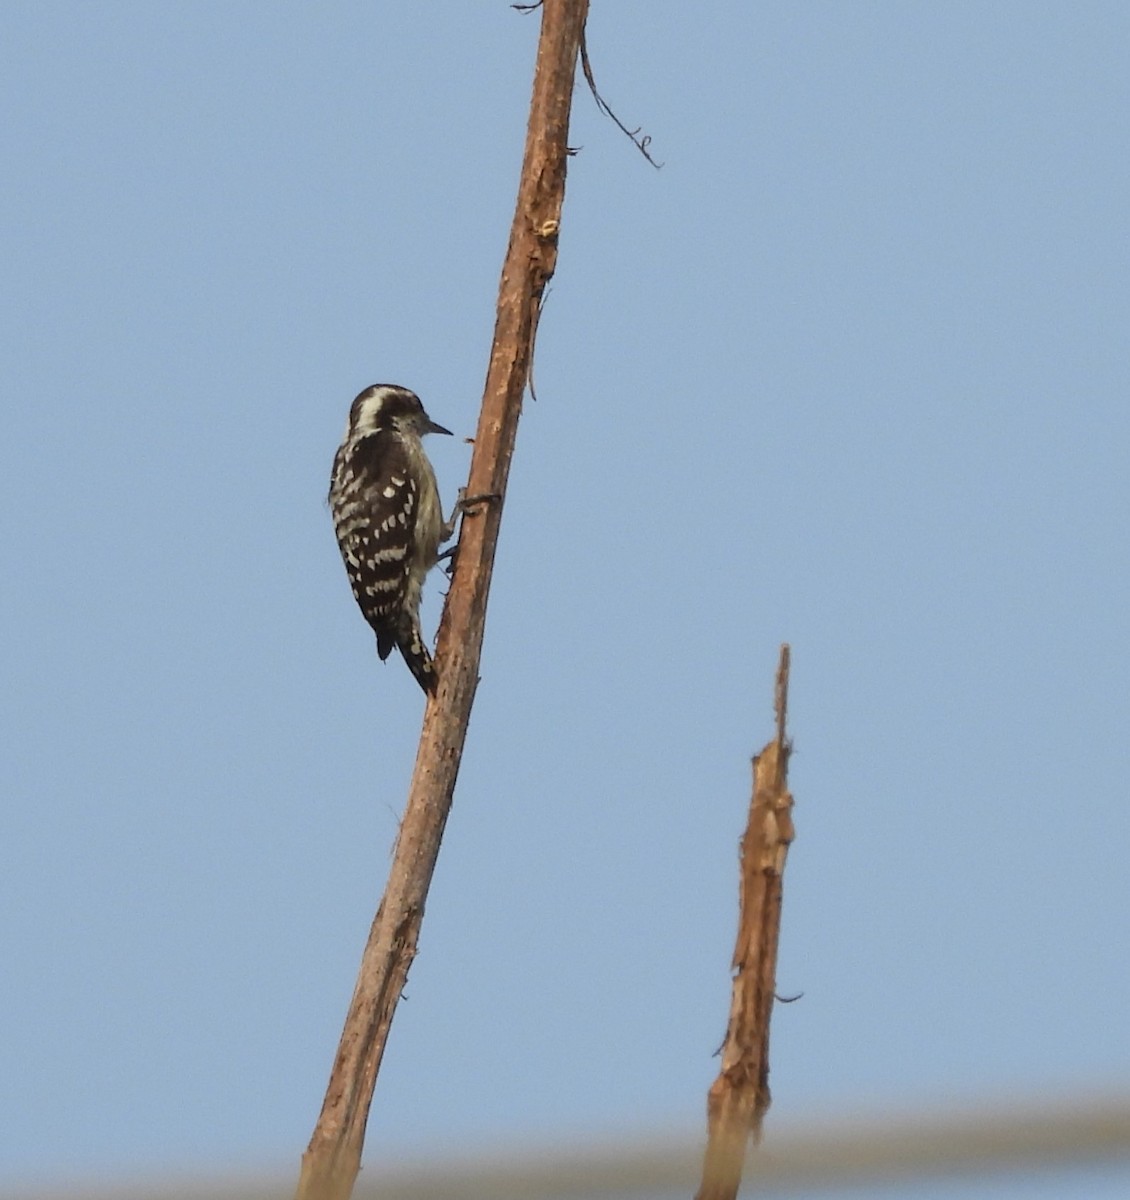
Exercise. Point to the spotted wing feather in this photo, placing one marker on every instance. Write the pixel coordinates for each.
(374, 506)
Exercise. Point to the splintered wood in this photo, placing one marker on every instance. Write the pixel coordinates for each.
(739, 1097)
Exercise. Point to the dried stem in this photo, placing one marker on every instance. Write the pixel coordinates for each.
(333, 1158)
(642, 143)
(739, 1097)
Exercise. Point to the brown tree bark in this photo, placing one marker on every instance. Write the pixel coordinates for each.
(739, 1097)
(333, 1158)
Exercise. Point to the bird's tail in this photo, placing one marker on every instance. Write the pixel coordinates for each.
(416, 655)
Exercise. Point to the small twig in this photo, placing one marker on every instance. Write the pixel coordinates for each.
(641, 143)
(534, 341)
(739, 1097)
(781, 692)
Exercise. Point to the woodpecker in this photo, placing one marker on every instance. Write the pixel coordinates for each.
(388, 518)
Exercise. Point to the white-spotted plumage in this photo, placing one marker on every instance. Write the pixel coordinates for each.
(388, 518)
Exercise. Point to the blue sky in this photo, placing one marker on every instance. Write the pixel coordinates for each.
(850, 371)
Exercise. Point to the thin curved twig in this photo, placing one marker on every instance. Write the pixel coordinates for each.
(641, 143)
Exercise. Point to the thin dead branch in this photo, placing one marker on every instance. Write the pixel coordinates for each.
(333, 1158)
(739, 1097)
(641, 143)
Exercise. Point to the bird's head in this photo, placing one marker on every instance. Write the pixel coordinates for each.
(385, 406)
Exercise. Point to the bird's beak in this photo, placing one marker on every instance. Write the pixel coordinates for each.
(434, 428)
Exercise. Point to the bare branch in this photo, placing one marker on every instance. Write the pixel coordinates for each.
(641, 143)
(739, 1097)
(333, 1158)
